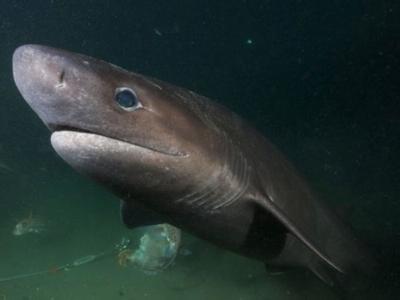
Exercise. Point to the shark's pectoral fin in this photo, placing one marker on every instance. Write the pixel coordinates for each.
(135, 215)
(297, 231)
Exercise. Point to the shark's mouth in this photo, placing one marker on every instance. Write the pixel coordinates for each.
(58, 128)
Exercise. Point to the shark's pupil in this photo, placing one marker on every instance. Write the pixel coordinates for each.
(126, 99)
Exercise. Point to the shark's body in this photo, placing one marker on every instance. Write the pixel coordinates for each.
(174, 156)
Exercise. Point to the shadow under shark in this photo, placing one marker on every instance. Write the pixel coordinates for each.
(177, 157)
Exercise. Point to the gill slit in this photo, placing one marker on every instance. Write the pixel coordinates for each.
(226, 185)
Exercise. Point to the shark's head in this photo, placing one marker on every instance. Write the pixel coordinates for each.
(138, 135)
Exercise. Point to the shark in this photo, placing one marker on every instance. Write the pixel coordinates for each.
(174, 156)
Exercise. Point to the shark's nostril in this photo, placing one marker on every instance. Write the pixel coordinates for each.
(61, 79)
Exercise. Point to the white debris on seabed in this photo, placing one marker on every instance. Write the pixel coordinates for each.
(157, 249)
(29, 225)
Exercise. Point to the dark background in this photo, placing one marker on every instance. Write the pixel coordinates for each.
(320, 78)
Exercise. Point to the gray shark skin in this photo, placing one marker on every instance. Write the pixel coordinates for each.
(180, 158)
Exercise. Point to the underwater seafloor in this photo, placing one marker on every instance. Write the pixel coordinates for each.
(82, 219)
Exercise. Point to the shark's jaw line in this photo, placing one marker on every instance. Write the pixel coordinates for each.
(70, 129)
(72, 133)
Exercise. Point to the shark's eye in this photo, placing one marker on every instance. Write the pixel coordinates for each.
(127, 99)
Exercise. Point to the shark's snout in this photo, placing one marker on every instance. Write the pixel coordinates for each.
(22, 61)
(40, 74)
(35, 67)
(22, 55)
